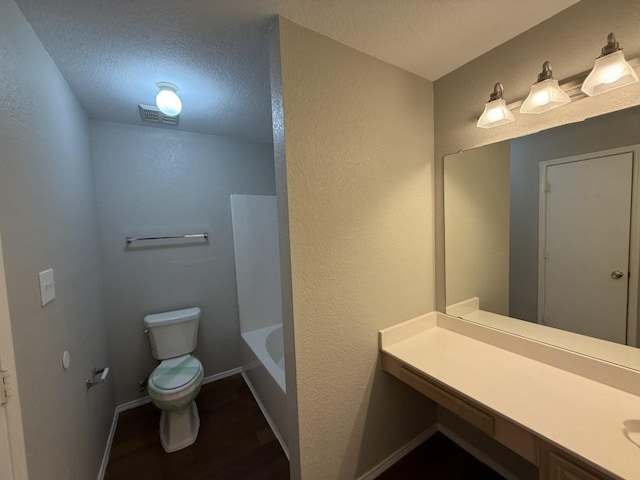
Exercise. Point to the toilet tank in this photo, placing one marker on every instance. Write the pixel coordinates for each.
(172, 334)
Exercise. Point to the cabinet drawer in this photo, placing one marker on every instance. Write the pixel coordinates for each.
(512, 436)
(558, 467)
(476, 417)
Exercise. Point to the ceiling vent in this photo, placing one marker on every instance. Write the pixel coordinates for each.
(152, 114)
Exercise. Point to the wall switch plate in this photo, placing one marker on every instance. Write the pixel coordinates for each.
(47, 286)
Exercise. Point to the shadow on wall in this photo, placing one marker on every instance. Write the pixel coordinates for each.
(383, 396)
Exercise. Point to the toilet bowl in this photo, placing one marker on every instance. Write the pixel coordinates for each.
(173, 387)
(175, 382)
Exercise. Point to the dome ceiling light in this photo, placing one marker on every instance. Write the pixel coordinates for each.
(167, 99)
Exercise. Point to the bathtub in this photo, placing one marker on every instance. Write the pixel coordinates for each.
(263, 357)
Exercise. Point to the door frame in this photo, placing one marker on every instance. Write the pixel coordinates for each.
(634, 232)
(12, 407)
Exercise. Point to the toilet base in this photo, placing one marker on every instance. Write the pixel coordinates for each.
(178, 430)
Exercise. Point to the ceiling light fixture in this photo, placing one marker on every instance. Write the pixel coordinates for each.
(167, 99)
(610, 70)
(495, 111)
(545, 94)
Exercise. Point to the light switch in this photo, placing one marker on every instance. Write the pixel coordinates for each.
(47, 286)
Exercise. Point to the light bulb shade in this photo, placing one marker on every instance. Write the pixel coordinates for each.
(544, 96)
(609, 72)
(495, 113)
(169, 102)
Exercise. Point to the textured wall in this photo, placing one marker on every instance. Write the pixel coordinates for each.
(282, 206)
(162, 181)
(570, 40)
(215, 52)
(48, 219)
(476, 189)
(359, 153)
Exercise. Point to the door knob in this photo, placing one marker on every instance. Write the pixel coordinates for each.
(617, 274)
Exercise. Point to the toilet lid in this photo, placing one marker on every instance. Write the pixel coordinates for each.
(175, 372)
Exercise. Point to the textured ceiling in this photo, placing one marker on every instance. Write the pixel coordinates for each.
(113, 52)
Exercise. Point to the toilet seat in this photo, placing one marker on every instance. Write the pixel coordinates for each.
(175, 374)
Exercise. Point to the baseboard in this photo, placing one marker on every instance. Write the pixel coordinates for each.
(399, 454)
(146, 399)
(107, 449)
(266, 415)
(138, 402)
(222, 375)
(475, 452)
(143, 401)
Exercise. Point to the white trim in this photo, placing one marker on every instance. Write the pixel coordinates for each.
(222, 375)
(399, 454)
(266, 415)
(13, 408)
(147, 399)
(138, 402)
(143, 401)
(634, 232)
(107, 448)
(634, 252)
(477, 453)
(542, 242)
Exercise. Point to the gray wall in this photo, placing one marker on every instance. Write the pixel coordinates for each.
(162, 181)
(601, 133)
(282, 207)
(571, 40)
(48, 219)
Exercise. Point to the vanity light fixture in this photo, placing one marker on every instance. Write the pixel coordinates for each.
(545, 94)
(496, 111)
(610, 70)
(167, 99)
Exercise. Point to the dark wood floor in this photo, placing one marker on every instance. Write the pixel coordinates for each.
(236, 443)
(439, 459)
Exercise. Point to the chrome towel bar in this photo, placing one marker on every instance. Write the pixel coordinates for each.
(203, 236)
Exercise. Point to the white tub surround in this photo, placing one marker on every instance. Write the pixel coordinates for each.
(554, 418)
(264, 373)
(267, 345)
(257, 259)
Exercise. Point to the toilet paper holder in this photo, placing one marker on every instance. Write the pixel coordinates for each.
(99, 376)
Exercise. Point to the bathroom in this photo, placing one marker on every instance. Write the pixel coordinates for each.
(358, 216)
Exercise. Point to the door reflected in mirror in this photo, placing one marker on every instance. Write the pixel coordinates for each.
(544, 228)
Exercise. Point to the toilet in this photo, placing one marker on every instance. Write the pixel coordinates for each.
(175, 382)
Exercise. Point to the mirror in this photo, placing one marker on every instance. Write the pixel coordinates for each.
(544, 228)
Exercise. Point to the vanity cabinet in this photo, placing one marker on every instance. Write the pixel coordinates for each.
(553, 463)
(557, 465)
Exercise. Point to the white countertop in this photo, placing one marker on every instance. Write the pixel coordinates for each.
(579, 415)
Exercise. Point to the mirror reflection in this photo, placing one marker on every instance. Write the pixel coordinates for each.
(544, 228)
